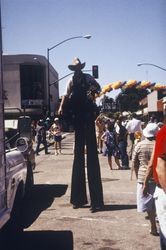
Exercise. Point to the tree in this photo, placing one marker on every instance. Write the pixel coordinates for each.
(107, 103)
(128, 99)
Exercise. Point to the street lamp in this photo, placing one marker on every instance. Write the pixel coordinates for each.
(151, 64)
(48, 57)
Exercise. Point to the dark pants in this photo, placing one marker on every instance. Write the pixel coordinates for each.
(85, 135)
(40, 141)
(132, 139)
(123, 153)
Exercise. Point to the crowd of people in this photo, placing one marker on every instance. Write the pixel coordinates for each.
(145, 145)
(117, 137)
(124, 138)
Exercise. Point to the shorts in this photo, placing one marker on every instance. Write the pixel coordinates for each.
(145, 203)
(109, 151)
(57, 138)
(160, 201)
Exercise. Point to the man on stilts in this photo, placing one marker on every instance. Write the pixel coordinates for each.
(81, 91)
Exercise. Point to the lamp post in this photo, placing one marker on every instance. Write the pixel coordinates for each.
(151, 64)
(48, 57)
(53, 83)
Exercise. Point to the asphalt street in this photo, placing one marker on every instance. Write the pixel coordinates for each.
(52, 224)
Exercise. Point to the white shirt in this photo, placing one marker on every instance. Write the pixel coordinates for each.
(133, 126)
(89, 79)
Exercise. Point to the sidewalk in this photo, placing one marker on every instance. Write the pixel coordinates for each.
(117, 227)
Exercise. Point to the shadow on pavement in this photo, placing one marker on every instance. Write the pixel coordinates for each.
(40, 198)
(119, 207)
(67, 153)
(42, 240)
(109, 179)
(37, 172)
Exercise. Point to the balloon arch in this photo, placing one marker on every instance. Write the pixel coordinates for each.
(131, 84)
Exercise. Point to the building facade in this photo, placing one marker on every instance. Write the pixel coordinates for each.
(154, 104)
(26, 88)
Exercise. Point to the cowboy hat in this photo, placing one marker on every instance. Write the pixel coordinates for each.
(77, 65)
(150, 130)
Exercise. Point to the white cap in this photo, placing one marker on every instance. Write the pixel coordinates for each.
(56, 119)
(150, 130)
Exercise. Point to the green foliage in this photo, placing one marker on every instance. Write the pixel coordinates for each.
(128, 99)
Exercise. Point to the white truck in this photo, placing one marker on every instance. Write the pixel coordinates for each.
(16, 181)
(16, 170)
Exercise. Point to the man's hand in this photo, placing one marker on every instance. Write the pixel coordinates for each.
(60, 111)
(145, 189)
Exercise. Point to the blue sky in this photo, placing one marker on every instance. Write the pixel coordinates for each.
(124, 33)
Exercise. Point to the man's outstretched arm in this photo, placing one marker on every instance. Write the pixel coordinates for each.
(60, 110)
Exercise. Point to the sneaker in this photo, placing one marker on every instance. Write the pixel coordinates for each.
(154, 233)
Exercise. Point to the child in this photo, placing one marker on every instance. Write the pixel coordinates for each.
(57, 133)
(138, 137)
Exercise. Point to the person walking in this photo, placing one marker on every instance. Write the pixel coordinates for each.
(81, 91)
(41, 137)
(132, 126)
(141, 156)
(100, 128)
(157, 169)
(110, 140)
(122, 143)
